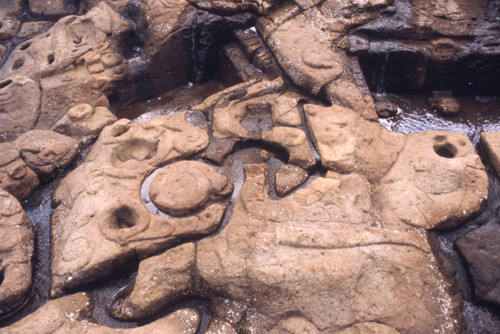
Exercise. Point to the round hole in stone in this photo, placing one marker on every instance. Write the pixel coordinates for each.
(5, 83)
(445, 150)
(18, 63)
(25, 46)
(1, 25)
(50, 59)
(123, 217)
(2, 277)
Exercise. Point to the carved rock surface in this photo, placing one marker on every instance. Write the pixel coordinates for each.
(9, 24)
(100, 220)
(75, 61)
(481, 250)
(161, 280)
(53, 7)
(16, 251)
(45, 151)
(271, 250)
(32, 28)
(490, 141)
(18, 115)
(15, 176)
(83, 121)
(185, 186)
(289, 178)
(73, 314)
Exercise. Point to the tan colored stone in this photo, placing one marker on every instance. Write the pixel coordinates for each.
(445, 105)
(161, 280)
(347, 94)
(490, 141)
(295, 142)
(47, 151)
(83, 121)
(285, 109)
(309, 62)
(15, 176)
(18, 115)
(73, 314)
(327, 233)
(218, 326)
(369, 328)
(64, 61)
(100, 220)
(437, 182)
(229, 112)
(288, 178)
(9, 24)
(186, 186)
(53, 7)
(295, 325)
(33, 28)
(347, 142)
(16, 251)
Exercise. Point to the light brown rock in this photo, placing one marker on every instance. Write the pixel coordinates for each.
(326, 232)
(288, 178)
(73, 314)
(9, 24)
(16, 251)
(75, 61)
(438, 181)
(490, 142)
(100, 221)
(83, 121)
(33, 28)
(18, 115)
(295, 325)
(186, 186)
(47, 151)
(285, 109)
(161, 280)
(53, 7)
(369, 328)
(218, 326)
(347, 142)
(295, 142)
(445, 105)
(15, 176)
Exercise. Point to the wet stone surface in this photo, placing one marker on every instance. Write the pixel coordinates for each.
(243, 167)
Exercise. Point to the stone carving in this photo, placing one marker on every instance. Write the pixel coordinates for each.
(15, 176)
(490, 141)
(295, 142)
(100, 221)
(161, 280)
(73, 314)
(271, 250)
(288, 178)
(75, 61)
(18, 115)
(83, 121)
(185, 186)
(33, 28)
(16, 251)
(46, 151)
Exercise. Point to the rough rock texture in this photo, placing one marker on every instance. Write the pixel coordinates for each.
(53, 7)
(13, 6)
(186, 186)
(295, 142)
(445, 105)
(385, 109)
(18, 115)
(84, 121)
(161, 280)
(481, 250)
(9, 24)
(271, 250)
(100, 220)
(33, 28)
(15, 176)
(47, 151)
(75, 61)
(288, 178)
(490, 142)
(16, 251)
(218, 326)
(72, 314)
